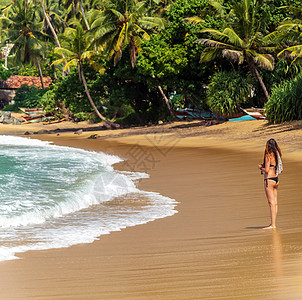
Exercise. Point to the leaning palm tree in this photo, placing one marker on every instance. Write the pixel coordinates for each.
(76, 50)
(124, 24)
(241, 40)
(24, 31)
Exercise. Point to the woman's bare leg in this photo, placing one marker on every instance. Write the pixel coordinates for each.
(271, 195)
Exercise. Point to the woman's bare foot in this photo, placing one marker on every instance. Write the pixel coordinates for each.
(269, 227)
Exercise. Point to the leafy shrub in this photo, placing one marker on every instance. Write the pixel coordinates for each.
(130, 119)
(29, 96)
(50, 104)
(4, 74)
(227, 91)
(11, 107)
(285, 102)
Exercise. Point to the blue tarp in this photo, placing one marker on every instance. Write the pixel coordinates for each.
(243, 118)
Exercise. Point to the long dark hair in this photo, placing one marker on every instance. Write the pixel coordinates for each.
(272, 147)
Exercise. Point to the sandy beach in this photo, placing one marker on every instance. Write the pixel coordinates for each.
(213, 248)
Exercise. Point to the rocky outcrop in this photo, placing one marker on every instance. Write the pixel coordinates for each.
(7, 118)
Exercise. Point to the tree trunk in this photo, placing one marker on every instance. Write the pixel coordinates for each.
(257, 75)
(83, 14)
(166, 99)
(50, 25)
(53, 32)
(90, 99)
(41, 75)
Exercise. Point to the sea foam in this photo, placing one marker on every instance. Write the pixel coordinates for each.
(53, 196)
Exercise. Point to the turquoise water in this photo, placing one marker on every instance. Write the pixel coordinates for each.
(53, 197)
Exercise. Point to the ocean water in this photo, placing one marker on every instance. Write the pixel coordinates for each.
(54, 197)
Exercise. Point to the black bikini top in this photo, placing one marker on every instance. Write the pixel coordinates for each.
(273, 166)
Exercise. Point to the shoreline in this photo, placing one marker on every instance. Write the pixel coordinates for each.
(190, 255)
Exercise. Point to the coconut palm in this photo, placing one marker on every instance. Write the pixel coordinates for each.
(24, 31)
(241, 40)
(76, 50)
(53, 18)
(290, 33)
(73, 7)
(124, 24)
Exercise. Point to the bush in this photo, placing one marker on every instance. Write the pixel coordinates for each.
(11, 107)
(29, 96)
(4, 74)
(50, 104)
(227, 91)
(285, 102)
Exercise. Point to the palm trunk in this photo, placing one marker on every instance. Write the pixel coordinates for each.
(83, 14)
(41, 75)
(53, 31)
(166, 99)
(90, 99)
(50, 25)
(257, 75)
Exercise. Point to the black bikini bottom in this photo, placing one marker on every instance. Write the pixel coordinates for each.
(276, 179)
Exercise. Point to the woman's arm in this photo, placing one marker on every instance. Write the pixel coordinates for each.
(267, 164)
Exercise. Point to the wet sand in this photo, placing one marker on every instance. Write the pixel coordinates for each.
(213, 248)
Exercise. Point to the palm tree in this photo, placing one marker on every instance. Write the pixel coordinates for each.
(76, 50)
(241, 40)
(51, 11)
(24, 31)
(72, 8)
(124, 24)
(290, 33)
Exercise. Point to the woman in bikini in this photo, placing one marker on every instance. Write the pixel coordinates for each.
(271, 167)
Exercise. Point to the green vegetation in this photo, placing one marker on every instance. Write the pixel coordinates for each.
(119, 60)
(285, 102)
(29, 96)
(227, 92)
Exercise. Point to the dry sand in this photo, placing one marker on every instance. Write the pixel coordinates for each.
(211, 249)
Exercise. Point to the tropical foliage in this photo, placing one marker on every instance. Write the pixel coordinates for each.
(241, 39)
(227, 92)
(285, 102)
(119, 60)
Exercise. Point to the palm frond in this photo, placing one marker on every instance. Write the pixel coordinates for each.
(151, 22)
(265, 61)
(215, 33)
(213, 43)
(293, 52)
(63, 51)
(233, 55)
(194, 20)
(59, 61)
(218, 5)
(117, 14)
(210, 54)
(233, 37)
(119, 43)
(72, 63)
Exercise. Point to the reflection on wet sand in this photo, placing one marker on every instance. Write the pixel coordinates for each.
(277, 253)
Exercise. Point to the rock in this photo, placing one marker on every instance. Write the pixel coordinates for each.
(17, 121)
(160, 122)
(80, 131)
(106, 126)
(7, 119)
(42, 131)
(93, 136)
(27, 133)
